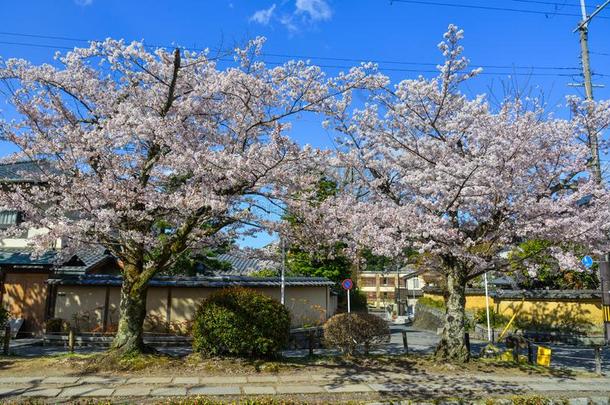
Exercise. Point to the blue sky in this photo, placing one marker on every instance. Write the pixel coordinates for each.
(534, 46)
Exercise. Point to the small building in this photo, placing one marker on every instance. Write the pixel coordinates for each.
(85, 289)
(24, 289)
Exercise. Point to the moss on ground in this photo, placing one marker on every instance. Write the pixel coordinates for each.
(146, 364)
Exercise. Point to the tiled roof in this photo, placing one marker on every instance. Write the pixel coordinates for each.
(527, 294)
(547, 294)
(243, 266)
(85, 260)
(196, 281)
(80, 263)
(24, 171)
(22, 257)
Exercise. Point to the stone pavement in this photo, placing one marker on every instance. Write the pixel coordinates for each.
(380, 384)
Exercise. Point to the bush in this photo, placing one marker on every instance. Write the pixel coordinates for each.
(349, 332)
(240, 322)
(432, 303)
(496, 319)
(358, 300)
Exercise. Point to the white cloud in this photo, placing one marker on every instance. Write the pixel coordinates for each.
(317, 10)
(83, 3)
(288, 22)
(263, 16)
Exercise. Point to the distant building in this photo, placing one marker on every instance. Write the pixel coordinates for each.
(388, 288)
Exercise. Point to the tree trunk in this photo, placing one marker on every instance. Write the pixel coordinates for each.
(452, 346)
(132, 311)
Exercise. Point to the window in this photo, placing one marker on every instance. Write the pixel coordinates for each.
(9, 218)
(385, 281)
(416, 283)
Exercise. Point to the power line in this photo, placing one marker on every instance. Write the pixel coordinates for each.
(37, 45)
(391, 62)
(550, 3)
(489, 8)
(281, 55)
(276, 63)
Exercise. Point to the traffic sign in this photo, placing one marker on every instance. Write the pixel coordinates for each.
(587, 261)
(347, 284)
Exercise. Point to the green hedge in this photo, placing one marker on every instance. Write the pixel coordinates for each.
(240, 322)
(431, 302)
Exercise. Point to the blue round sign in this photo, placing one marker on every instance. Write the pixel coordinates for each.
(587, 261)
(347, 284)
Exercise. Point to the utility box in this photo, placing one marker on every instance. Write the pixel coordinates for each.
(543, 358)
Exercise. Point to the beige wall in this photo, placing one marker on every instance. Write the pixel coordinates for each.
(307, 305)
(18, 242)
(82, 306)
(24, 296)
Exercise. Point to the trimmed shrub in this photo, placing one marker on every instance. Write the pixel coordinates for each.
(354, 331)
(240, 322)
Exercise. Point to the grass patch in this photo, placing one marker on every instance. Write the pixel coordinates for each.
(246, 401)
(432, 303)
(111, 362)
(150, 365)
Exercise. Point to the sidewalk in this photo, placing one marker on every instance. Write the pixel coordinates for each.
(384, 384)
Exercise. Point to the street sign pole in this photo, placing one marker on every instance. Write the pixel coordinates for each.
(604, 281)
(347, 285)
(349, 307)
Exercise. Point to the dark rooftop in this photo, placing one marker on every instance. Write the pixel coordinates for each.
(20, 172)
(83, 261)
(195, 281)
(243, 266)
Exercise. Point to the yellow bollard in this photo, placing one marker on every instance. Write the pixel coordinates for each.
(544, 356)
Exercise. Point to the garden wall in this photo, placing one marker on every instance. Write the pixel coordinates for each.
(576, 310)
(95, 308)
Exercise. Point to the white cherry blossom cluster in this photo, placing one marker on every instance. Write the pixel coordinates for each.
(423, 167)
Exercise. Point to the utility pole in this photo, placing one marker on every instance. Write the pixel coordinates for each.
(583, 30)
(604, 265)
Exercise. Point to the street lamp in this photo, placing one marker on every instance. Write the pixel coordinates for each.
(487, 308)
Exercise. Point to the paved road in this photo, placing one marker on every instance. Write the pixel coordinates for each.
(419, 341)
(582, 358)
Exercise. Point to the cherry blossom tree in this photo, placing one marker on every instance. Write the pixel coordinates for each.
(153, 153)
(429, 170)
